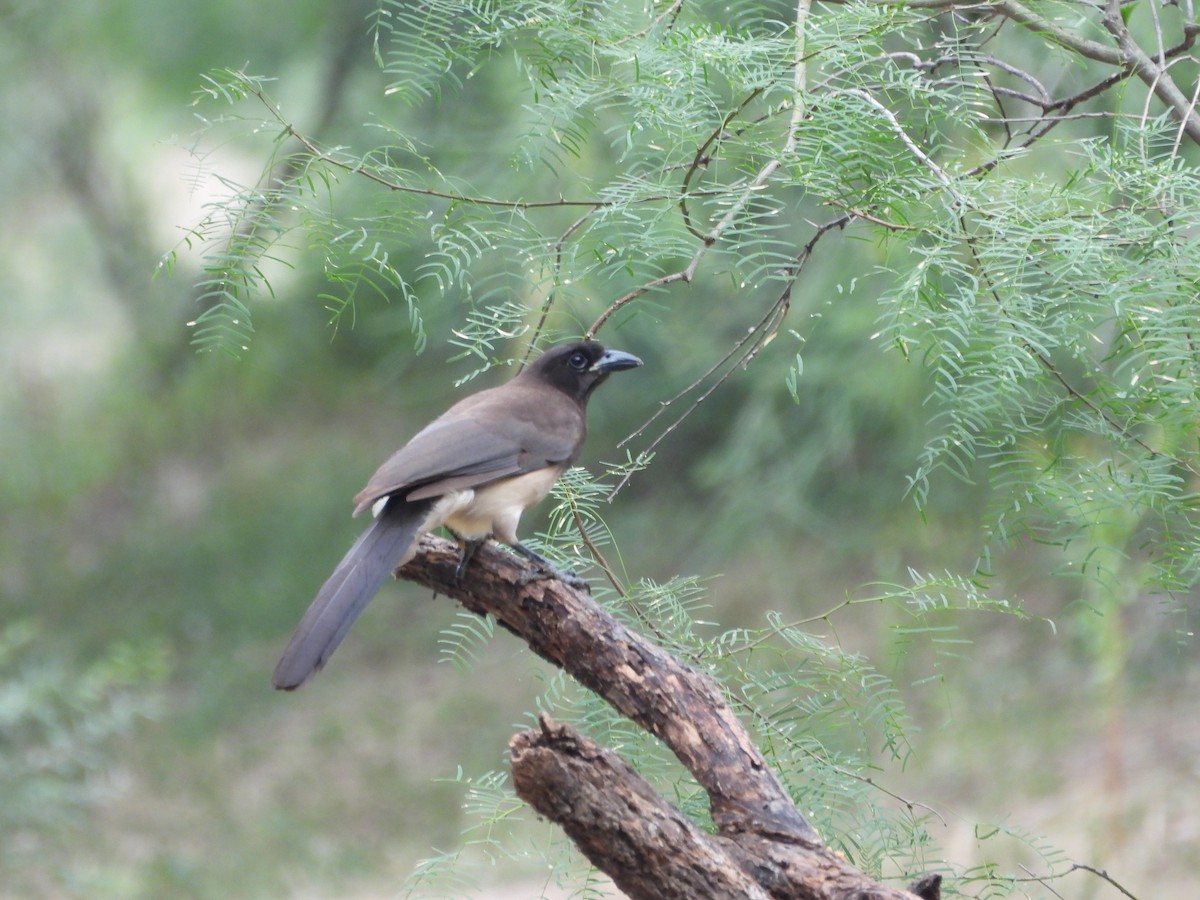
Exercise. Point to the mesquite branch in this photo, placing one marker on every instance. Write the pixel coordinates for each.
(763, 847)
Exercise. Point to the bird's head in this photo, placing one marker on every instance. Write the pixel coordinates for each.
(578, 367)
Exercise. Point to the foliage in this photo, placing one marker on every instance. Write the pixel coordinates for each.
(60, 730)
(1020, 191)
(1001, 282)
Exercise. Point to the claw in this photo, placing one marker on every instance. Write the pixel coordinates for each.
(468, 552)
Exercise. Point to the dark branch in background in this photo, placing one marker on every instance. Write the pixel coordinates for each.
(760, 334)
(764, 847)
(314, 153)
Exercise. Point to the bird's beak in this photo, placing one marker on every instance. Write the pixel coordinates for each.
(615, 361)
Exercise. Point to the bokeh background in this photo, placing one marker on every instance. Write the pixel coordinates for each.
(167, 516)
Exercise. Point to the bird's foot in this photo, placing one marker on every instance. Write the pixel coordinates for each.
(547, 569)
(550, 572)
(468, 552)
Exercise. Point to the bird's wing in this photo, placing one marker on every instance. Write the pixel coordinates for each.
(491, 435)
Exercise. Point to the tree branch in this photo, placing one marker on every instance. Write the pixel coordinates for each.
(1153, 74)
(1023, 15)
(617, 820)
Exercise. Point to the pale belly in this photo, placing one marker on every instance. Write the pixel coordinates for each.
(493, 509)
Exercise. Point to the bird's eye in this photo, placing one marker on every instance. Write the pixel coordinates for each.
(578, 361)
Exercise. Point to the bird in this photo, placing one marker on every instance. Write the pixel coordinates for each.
(475, 469)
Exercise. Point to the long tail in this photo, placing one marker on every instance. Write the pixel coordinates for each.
(346, 593)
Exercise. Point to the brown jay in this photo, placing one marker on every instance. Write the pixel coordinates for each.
(474, 470)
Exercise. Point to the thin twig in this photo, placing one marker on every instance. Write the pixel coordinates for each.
(1048, 365)
(1180, 132)
(794, 271)
(1043, 880)
(768, 724)
(358, 168)
(544, 314)
(1075, 867)
(702, 156)
(597, 556)
(761, 332)
(746, 191)
(641, 290)
(671, 12)
(926, 160)
(755, 334)
(1101, 873)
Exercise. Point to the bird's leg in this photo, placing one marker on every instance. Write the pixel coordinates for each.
(468, 546)
(548, 569)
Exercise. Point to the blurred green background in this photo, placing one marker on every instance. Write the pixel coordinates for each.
(167, 516)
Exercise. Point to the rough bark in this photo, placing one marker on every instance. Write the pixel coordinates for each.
(619, 822)
(763, 847)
